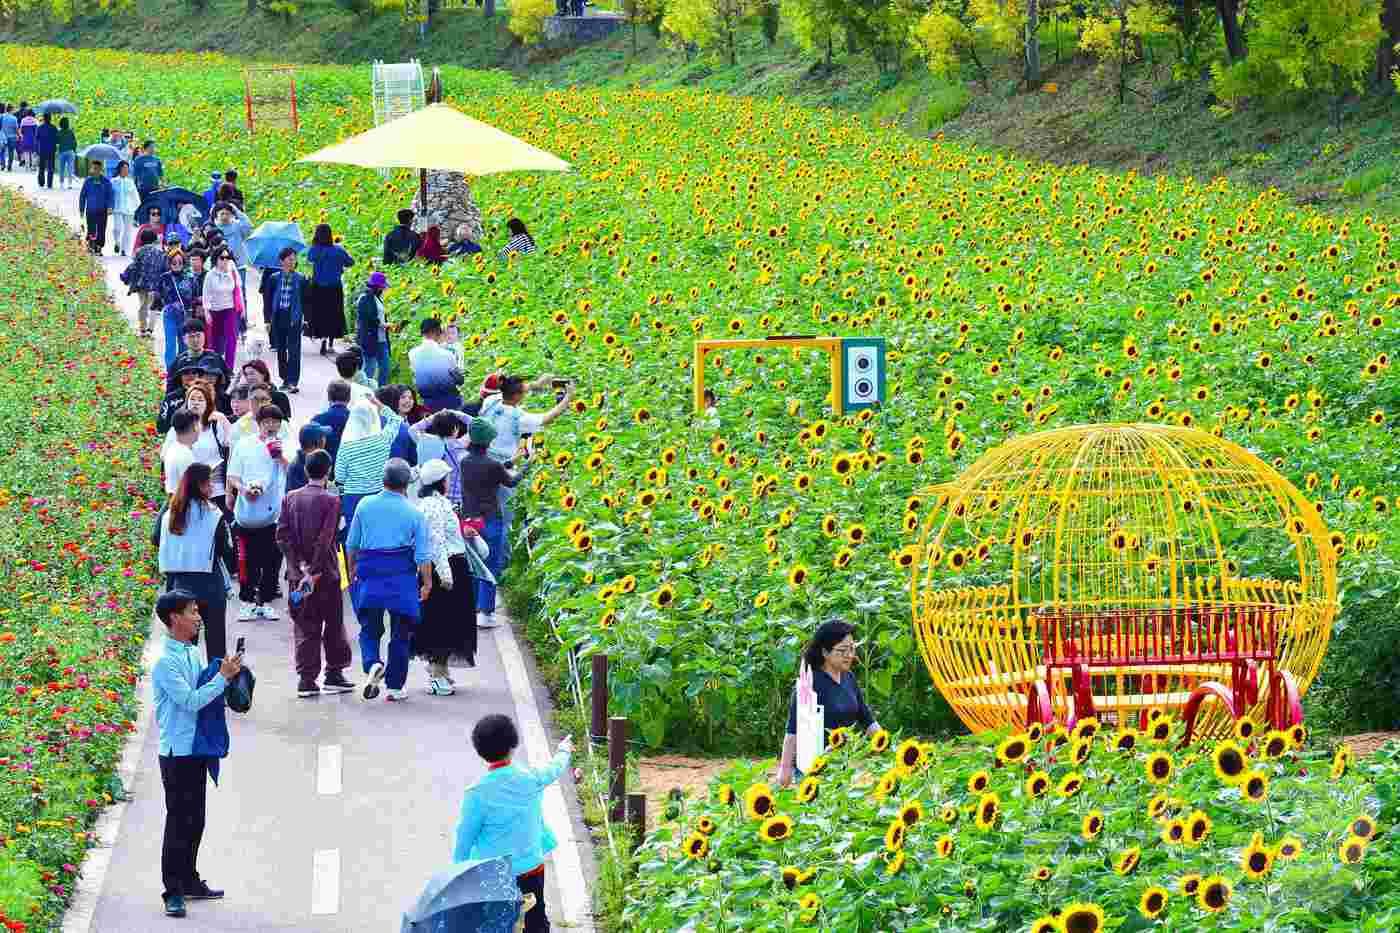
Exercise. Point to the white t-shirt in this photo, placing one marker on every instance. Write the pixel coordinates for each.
(177, 459)
(252, 464)
(510, 422)
(206, 451)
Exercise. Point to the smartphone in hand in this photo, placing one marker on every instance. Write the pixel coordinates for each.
(238, 647)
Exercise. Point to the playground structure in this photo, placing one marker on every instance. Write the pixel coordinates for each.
(270, 98)
(1113, 570)
(397, 89)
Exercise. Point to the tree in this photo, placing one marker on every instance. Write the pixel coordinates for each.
(1119, 36)
(1033, 43)
(1229, 12)
(1388, 51)
(527, 19)
(707, 24)
(639, 12)
(770, 20)
(1300, 46)
(814, 26)
(884, 27)
(947, 41)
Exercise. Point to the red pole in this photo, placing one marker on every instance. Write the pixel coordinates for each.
(296, 125)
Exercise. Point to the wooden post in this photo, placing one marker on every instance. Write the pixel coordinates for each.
(637, 818)
(617, 768)
(598, 729)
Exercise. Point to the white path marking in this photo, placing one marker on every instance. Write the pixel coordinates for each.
(325, 881)
(328, 761)
(568, 872)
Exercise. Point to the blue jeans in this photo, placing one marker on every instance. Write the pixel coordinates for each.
(286, 340)
(503, 495)
(11, 147)
(400, 639)
(66, 163)
(172, 319)
(349, 502)
(377, 363)
(494, 534)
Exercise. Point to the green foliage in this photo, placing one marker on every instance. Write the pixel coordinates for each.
(813, 25)
(1300, 46)
(872, 844)
(708, 24)
(282, 9)
(1101, 33)
(527, 19)
(770, 18)
(945, 40)
(1369, 180)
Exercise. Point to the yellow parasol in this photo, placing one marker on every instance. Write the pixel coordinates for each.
(439, 137)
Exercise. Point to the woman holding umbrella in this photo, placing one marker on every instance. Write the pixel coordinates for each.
(326, 297)
(67, 153)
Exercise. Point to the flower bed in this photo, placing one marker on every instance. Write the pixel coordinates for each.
(1055, 833)
(699, 551)
(76, 395)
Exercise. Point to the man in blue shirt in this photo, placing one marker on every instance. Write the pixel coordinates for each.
(95, 202)
(147, 169)
(435, 371)
(9, 129)
(178, 699)
(389, 559)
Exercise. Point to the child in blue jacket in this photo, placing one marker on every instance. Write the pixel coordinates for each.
(502, 813)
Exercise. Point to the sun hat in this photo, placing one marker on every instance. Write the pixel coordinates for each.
(378, 280)
(434, 471)
(491, 384)
(481, 431)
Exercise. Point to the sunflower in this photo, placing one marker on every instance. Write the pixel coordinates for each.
(1363, 826)
(1174, 832)
(911, 813)
(817, 765)
(1153, 902)
(1091, 825)
(988, 809)
(791, 876)
(1256, 860)
(1013, 749)
(1125, 740)
(886, 785)
(1079, 751)
(725, 794)
(758, 801)
(894, 836)
(1037, 784)
(1352, 850)
(697, 846)
(664, 596)
(705, 825)
(810, 904)
(1275, 744)
(1159, 767)
(1127, 860)
(944, 846)
(978, 782)
(1230, 762)
(1157, 805)
(1042, 873)
(909, 756)
(1341, 758)
(1082, 918)
(1213, 894)
(1198, 827)
(1255, 786)
(879, 740)
(1297, 735)
(948, 815)
(797, 575)
(1046, 924)
(841, 465)
(837, 737)
(1035, 731)
(1159, 731)
(1290, 848)
(776, 828)
(807, 790)
(1070, 784)
(1086, 728)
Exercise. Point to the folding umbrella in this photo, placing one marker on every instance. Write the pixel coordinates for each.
(57, 105)
(468, 897)
(269, 239)
(100, 152)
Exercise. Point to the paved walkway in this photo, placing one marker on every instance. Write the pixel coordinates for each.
(331, 813)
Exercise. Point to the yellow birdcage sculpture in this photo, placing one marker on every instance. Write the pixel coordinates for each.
(1114, 570)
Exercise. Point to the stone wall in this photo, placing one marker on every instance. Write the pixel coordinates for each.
(581, 30)
(450, 203)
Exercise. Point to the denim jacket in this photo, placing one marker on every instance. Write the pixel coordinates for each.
(277, 319)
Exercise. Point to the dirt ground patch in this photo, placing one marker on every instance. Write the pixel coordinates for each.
(661, 774)
(1366, 743)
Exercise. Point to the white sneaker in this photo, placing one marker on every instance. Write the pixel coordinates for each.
(396, 696)
(371, 688)
(487, 620)
(266, 612)
(247, 612)
(439, 687)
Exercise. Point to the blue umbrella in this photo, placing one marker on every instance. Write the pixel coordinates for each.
(271, 238)
(101, 152)
(468, 897)
(57, 105)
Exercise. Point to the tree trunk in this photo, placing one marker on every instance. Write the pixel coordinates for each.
(1386, 57)
(1033, 43)
(828, 50)
(490, 8)
(1229, 11)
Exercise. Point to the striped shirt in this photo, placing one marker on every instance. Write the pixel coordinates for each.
(359, 464)
(520, 243)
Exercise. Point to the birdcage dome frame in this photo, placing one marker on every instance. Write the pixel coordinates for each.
(1115, 570)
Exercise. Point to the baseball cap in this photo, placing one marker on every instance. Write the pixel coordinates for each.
(311, 433)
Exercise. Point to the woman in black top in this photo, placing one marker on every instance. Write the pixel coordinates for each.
(482, 477)
(830, 654)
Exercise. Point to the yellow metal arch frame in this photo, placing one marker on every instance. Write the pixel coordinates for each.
(830, 345)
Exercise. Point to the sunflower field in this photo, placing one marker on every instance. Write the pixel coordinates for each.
(1046, 832)
(699, 550)
(76, 502)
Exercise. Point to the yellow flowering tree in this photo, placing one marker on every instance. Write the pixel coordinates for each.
(527, 19)
(947, 41)
(709, 24)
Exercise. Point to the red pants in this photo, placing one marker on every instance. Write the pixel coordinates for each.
(317, 624)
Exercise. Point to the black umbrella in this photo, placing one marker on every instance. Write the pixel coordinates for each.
(57, 105)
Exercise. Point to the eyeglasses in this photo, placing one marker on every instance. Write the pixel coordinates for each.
(846, 650)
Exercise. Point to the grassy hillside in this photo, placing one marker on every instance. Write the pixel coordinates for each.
(1161, 126)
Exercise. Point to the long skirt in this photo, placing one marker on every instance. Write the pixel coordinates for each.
(447, 626)
(325, 311)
